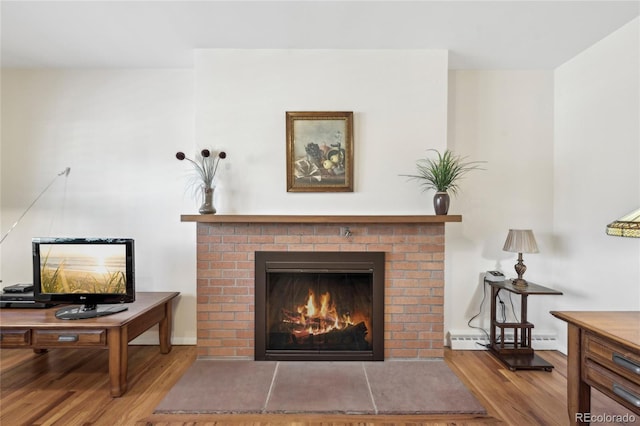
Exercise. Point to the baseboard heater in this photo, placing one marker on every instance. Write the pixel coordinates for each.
(479, 343)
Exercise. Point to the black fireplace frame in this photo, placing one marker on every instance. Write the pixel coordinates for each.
(267, 261)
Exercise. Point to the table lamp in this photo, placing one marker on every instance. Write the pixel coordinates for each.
(627, 226)
(520, 241)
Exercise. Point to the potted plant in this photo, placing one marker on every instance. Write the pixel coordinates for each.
(205, 167)
(442, 174)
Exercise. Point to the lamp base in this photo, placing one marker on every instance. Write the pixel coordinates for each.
(520, 270)
(519, 282)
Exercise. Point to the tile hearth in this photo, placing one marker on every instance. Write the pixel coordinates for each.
(350, 387)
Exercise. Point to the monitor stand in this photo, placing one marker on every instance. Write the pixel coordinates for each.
(88, 311)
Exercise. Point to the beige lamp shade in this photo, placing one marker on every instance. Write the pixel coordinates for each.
(520, 241)
(627, 226)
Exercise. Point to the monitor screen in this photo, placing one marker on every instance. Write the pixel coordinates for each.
(88, 271)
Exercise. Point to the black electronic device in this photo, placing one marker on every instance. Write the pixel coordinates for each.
(21, 300)
(18, 288)
(24, 304)
(22, 297)
(494, 276)
(88, 311)
(97, 273)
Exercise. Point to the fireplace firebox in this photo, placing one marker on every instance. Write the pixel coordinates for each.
(319, 306)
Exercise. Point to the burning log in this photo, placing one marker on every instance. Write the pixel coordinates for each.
(352, 337)
(316, 323)
(318, 326)
(290, 316)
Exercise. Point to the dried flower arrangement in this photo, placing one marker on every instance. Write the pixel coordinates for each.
(205, 166)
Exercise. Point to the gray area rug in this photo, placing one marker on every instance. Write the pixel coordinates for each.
(390, 387)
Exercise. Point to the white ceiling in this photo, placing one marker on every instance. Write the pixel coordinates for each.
(150, 34)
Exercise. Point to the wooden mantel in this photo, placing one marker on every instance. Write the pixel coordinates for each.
(237, 218)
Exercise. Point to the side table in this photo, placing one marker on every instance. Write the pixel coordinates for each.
(517, 354)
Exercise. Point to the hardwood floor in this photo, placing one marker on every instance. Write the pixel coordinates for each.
(70, 387)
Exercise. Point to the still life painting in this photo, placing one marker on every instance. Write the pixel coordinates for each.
(319, 151)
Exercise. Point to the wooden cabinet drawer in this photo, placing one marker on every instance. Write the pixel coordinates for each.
(52, 338)
(11, 338)
(614, 386)
(614, 357)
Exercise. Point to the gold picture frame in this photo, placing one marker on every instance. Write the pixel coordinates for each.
(319, 151)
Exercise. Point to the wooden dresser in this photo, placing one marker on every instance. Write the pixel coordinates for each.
(604, 353)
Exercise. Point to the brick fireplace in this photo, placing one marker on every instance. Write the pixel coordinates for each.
(414, 274)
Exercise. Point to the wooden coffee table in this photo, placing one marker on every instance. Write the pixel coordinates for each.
(40, 330)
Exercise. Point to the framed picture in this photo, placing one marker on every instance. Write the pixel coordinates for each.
(319, 151)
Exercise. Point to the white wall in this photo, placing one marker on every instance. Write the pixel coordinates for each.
(399, 100)
(118, 131)
(506, 119)
(597, 174)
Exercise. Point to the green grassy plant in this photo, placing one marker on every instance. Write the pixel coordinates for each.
(444, 172)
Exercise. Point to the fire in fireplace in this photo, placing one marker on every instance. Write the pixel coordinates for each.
(319, 311)
(319, 306)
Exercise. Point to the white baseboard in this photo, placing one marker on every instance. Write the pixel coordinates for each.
(470, 342)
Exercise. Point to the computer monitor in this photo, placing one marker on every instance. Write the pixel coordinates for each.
(96, 273)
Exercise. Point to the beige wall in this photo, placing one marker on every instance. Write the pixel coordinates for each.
(597, 174)
(399, 100)
(505, 118)
(118, 131)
